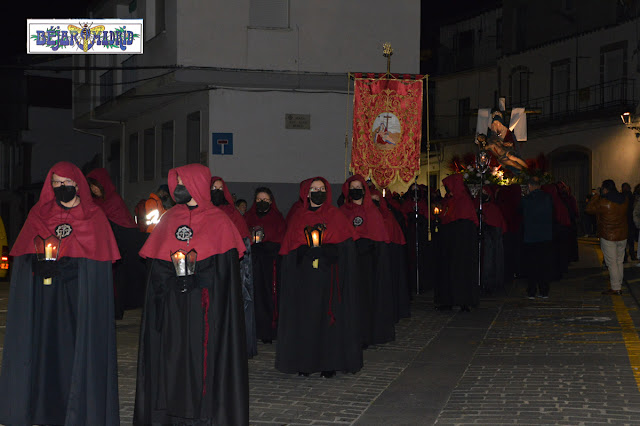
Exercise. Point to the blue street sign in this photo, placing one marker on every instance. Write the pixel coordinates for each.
(222, 143)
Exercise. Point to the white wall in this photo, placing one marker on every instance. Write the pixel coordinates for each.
(264, 151)
(51, 132)
(327, 36)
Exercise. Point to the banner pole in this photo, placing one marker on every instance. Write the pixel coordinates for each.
(346, 128)
(428, 166)
(415, 195)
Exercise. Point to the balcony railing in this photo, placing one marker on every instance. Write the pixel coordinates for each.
(614, 93)
(570, 105)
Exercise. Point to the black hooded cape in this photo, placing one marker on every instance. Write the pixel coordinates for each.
(59, 363)
(318, 328)
(192, 361)
(266, 283)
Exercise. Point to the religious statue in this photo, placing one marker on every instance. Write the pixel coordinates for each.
(500, 141)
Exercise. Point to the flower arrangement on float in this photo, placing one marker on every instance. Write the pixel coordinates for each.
(497, 174)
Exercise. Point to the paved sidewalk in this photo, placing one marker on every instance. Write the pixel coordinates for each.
(566, 360)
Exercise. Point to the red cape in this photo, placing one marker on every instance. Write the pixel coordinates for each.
(460, 204)
(339, 229)
(560, 211)
(273, 223)
(213, 232)
(508, 201)
(230, 209)
(491, 213)
(371, 224)
(91, 236)
(112, 203)
(390, 223)
(300, 203)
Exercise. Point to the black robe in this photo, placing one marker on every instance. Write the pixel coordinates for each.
(400, 281)
(182, 340)
(318, 328)
(246, 277)
(424, 251)
(129, 273)
(492, 259)
(59, 361)
(375, 292)
(266, 285)
(458, 283)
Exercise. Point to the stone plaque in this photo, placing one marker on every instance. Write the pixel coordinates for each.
(297, 121)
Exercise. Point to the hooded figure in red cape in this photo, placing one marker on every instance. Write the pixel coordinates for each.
(561, 231)
(493, 227)
(298, 203)
(221, 198)
(192, 357)
(54, 369)
(397, 258)
(267, 227)
(458, 234)
(374, 270)
(318, 327)
(129, 272)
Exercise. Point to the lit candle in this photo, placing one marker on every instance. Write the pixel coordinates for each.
(315, 236)
(436, 211)
(384, 192)
(182, 265)
(48, 252)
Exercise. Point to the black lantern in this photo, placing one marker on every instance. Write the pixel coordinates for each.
(257, 234)
(47, 251)
(185, 263)
(314, 234)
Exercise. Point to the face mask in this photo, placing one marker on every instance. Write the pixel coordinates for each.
(217, 197)
(262, 206)
(376, 202)
(181, 195)
(356, 194)
(64, 194)
(318, 198)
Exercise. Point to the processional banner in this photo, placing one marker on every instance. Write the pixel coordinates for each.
(387, 129)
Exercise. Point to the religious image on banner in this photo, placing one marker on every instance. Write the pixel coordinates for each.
(387, 129)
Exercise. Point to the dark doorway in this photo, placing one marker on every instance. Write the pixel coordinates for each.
(572, 165)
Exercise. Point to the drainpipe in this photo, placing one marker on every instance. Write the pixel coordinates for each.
(104, 148)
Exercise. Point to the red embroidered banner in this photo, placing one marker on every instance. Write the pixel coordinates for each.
(387, 129)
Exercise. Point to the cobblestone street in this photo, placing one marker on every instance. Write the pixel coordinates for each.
(571, 359)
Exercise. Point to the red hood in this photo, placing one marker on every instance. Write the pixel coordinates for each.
(230, 208)
(111, 203)
(196, 178)
(212, 230)
(460, 204)
(370, 223)
(91, 236)
(367, 201)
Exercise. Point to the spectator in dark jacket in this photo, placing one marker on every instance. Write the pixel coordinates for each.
(537, 215)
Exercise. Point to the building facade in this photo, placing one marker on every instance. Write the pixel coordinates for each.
(256, 90)
(573, 64)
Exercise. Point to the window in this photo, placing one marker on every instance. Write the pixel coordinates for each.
(160, 17)
(499, 33)
(129, 76)
(464, 114)
(560, 80)
(155, 22)
(113, 162)
(133, 158)
(520, 25)
(149, 153)
(269, 13)
(166, 161)
(193, 137)
(464, 50)
(106, 87)
(519, 87)
(613, 72)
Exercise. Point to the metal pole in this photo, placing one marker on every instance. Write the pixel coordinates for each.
(480, 231)
(415, 194)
